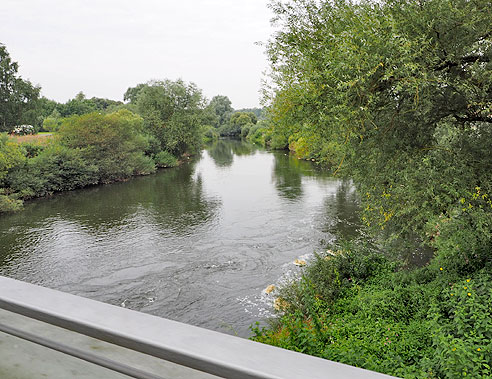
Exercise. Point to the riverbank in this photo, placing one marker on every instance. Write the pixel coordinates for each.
(197, 243)
(87, 150)
(357, 307)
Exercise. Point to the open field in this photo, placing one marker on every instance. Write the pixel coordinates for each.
(41, 138)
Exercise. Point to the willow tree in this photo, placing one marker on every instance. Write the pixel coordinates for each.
(398, 95)
(173, 113)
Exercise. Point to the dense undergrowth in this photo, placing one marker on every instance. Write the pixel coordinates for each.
(358, 307)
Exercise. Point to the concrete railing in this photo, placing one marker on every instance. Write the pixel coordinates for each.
(200, 349)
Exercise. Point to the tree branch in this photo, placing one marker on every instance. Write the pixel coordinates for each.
(474, 118)
(464, 60)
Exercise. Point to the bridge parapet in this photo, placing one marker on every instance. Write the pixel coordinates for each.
(168, 346)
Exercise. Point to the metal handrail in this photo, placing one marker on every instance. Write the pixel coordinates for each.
(189, 346)
(78, 353)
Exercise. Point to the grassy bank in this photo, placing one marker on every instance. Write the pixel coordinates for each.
(355, 306)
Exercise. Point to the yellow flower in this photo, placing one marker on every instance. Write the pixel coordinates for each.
(452, 294)
(479, 349)
(469, 294)
(454, 349)
(467, 280)
(465, 288)
(440, 268)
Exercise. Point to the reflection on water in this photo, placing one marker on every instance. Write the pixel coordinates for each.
(197, 243)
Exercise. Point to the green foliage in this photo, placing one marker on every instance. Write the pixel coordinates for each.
(221, 110)
(132, 93)
(89, 149)
(142, 164)
(237, 122)
(260, 113)
(31, 150)
(112, 142)
(173, 113)
(229, 130)
(462, 328)
(56, 168)
(80, 105)
(18, 97)
(245, 130)
(257, 133)
(10, 155)
(9, 203)
(395, 94)
(165, 159)
(209, 133)
(357, 307)
(53, 122)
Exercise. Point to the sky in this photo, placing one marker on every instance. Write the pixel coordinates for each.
(102, 47)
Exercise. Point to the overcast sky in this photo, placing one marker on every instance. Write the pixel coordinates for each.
(102, 47)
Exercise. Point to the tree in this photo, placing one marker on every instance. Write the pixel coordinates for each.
(237, 122)
(221, 107)
(113, 143)
(173, 113)
(396, 94)
(80, 105)
(18, 97)
(131, 93)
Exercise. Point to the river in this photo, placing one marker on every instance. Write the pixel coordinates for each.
(198, 243)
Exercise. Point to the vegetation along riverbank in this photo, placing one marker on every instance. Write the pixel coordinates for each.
(93, 141)
(396, 95)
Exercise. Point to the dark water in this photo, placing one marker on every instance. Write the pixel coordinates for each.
(197, 244)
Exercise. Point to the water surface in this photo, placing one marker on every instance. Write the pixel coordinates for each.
(197, 244)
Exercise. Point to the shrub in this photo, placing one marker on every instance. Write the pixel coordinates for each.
(142, 164)
(22, 130)
(245, 130)
(52, 124)
(462, 329)
(165, 159)
(257, 134)
(229, 130)
(57, 168)
(108, 142)
(10, 155)
(209, 133)
(9, 203)
(32, 149)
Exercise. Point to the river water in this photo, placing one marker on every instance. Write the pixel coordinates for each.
(197, 244)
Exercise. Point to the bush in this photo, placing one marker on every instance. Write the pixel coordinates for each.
(462, 329)
(108, 142)
(153, 146)
(32, 149)
(245, 130)
(9, 203)
(257, 134)
(57, 168)
(10, 154)
(142, 164)
(229, 130)
(209, 134)
(165, 159)
(52, 124)
(22, 130)
(356, 307)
